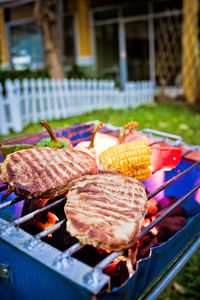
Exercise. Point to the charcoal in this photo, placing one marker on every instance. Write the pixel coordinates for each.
(145, 245)
(169, 226)
(118, 273)
(167, 202)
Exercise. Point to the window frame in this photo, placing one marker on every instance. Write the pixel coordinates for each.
(121, 21)
(8, 32)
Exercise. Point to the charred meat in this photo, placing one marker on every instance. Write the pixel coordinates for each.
(106, 210)
(44, 172)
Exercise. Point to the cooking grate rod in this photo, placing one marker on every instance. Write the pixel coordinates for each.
(74, 248)
(168, 211)
(49, 230)
(10, 202)
(192, 148)
(34, 213)
(35, 241)
(151, 195)
(65, 258)
(106, 261)
(3, 188)
(173, 179)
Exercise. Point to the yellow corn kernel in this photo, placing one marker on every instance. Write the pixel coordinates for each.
(131, 159)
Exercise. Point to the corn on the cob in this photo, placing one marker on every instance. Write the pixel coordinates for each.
(132, 159)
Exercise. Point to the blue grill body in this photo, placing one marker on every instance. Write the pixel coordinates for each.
(33, 278)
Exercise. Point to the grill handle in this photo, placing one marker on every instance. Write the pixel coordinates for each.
(177, 140)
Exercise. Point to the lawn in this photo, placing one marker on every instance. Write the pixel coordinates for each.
(173, 118)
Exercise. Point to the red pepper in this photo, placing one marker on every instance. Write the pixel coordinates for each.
(164, 157)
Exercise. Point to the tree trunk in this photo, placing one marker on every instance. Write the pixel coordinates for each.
(45, 13)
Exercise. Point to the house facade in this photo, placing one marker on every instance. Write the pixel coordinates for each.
(124, 40)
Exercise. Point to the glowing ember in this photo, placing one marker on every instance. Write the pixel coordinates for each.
(197, 196)
(119, 258)
(103, 251)
(51, 219)
(148, 221)
(154, 230)
(108, 250)
(152, 206)
(118, 271)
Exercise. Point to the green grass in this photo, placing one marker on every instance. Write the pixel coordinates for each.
(186, 284)
(175, 118)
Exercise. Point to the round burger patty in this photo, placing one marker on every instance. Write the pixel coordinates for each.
(106, 210)
(44, 172)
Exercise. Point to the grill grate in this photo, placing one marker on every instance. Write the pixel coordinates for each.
(91, 278)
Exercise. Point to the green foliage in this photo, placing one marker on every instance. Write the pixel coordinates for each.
(78, 72)
(21, 74)
(175, 118)
(82, 72)
(188, 279)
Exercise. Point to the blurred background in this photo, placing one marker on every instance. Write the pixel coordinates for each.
(121, 40)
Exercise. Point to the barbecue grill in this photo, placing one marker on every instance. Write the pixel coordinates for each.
(31, 268)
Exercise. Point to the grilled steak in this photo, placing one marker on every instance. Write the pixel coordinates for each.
(106, 210)
(44, 172)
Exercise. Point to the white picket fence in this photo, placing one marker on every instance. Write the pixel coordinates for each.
(30, 100)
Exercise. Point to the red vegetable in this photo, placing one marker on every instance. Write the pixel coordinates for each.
(164, 157)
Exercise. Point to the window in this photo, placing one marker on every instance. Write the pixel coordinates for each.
(165, 5)
(26, 47)
(107, 46)
(137, 46)
(135, 10)
(68, 43)
(106, 14)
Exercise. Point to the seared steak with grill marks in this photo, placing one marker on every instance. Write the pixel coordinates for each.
(44, 172)
(106, 210)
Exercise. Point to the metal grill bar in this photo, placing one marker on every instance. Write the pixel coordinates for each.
(77, 246)
(3, 188)
(173, 179)
(49, 230)
(65, 257)
(35, 241)
(9, 203)
(73, 249)
(35, 213)
(105, 262)
(166, 136)
(188, 152)
(168, 211)
(156, 142)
